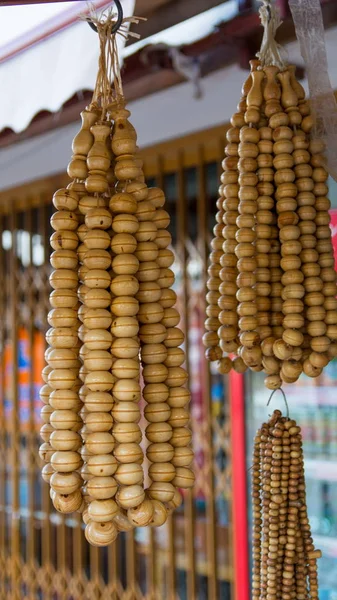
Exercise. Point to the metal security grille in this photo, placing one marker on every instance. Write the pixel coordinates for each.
(44, 555)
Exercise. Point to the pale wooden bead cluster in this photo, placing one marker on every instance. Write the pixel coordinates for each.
(284, 557)
(272, 283)
(112, 322)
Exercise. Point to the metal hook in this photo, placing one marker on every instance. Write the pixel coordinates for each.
(284, 398)
(118, 22)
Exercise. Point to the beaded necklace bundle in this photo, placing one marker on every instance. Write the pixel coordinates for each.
(271, 297)
(112, 323)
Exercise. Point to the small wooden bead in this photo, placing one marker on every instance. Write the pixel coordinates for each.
(47, 472)
(46, 452)
(292, 337)
(310, 370)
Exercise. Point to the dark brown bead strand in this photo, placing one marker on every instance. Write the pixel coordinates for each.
(284, 555)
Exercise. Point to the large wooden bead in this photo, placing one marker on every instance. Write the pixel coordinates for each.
(159, 516)
(160, 452)
(178, 397)
(102, 511)
(124, 285)
(126, 390)
(183, 457)
(97, 339)
(141, 515)
(63, 298)
(129, 474)
(98, 218)
(157, 412)
(123, 203)
(65, 419)
(97, 239)
(128, 453)
(97, 278)
(181, 436)
(159, 432)
(65, 483)
(153, 333)
(174, 337)
(126, 412)
(125, 348)
(125, 368)
(155, 373)
(63, 279)
(66, 462)
(99, 381)
(155, 392)
(65, 440)
(100, 443)
(100, 534)
(65, 199)
(154, 353)
(184, 478)
(102, 465)
(98, 360)
(151, 312)
(161, 490)
(98, 421)
(64, 220)
(102, 488)
(130, 496)
(67, 503)
(149, 291)
(124, 327)
(162, 471)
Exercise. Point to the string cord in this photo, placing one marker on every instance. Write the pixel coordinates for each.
(270, 51)
(284, 398)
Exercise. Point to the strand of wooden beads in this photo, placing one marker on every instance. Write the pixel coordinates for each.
(212, 323)
(276, 501)
(178, 394)
(100, 465)
(325, 257)
(248, 151)
(257, 514)
(229, 273)
(131, 496)
(62, 356)
(265, 499)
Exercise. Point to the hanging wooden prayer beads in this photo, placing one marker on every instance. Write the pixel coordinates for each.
(113, 318)
(284, 557)
(272, 285)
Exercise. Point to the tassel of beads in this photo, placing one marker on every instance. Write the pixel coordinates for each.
(282, 306)
(284, 557)
(113, 316)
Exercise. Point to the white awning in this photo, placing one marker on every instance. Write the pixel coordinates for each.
(47, 74)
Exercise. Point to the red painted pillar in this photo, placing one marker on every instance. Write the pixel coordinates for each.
(239, 487)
